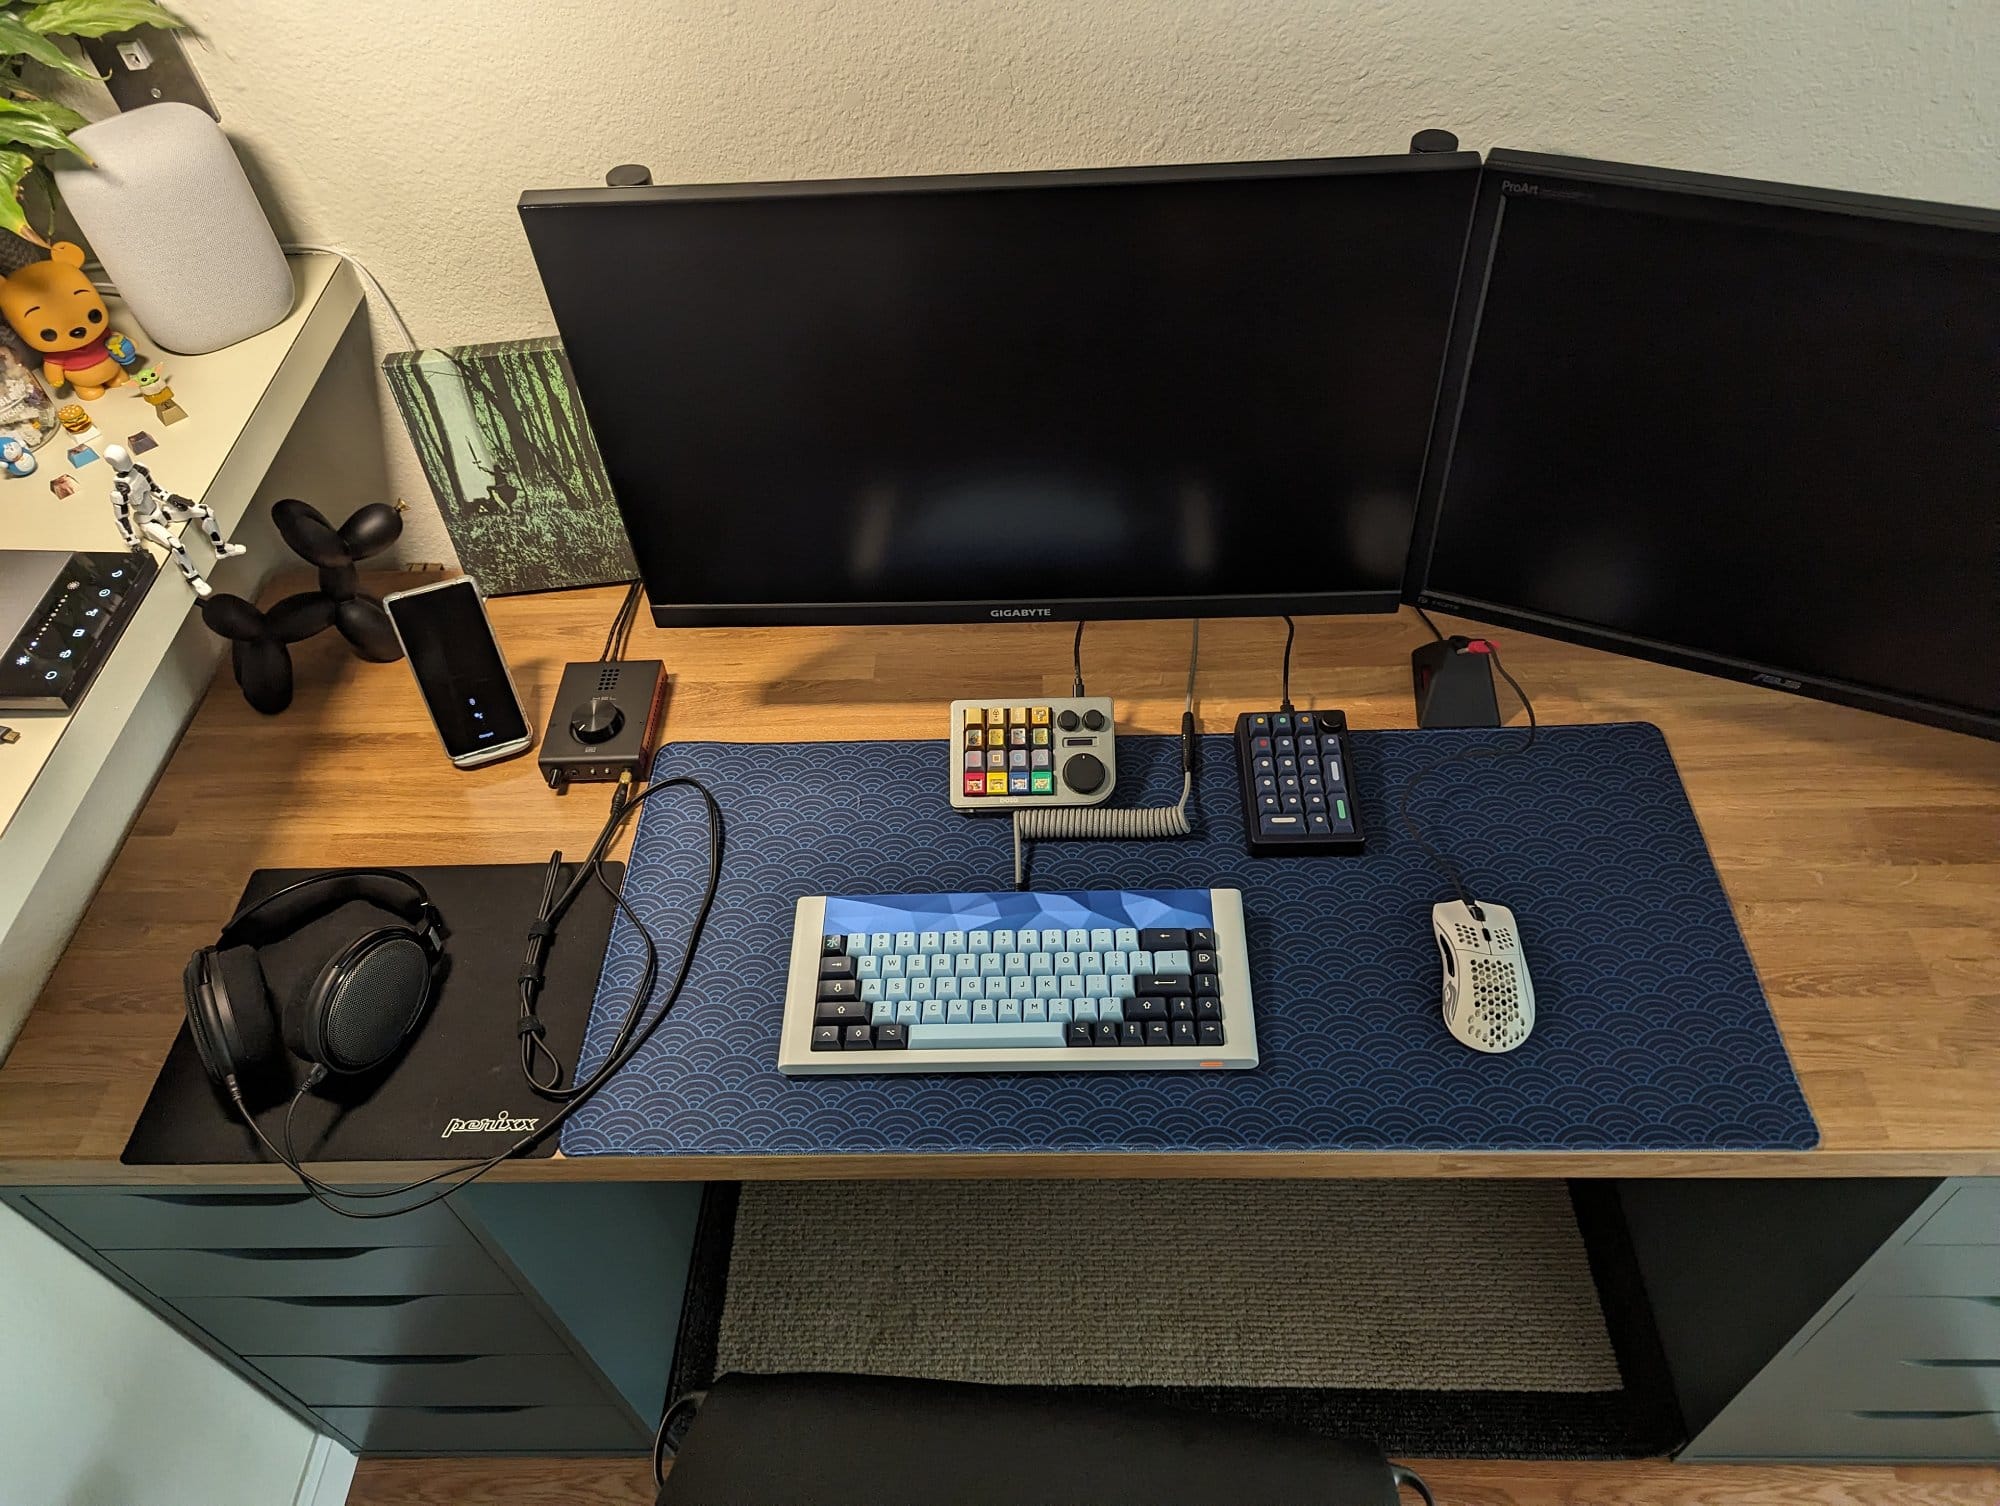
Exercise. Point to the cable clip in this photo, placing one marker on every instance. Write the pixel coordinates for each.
(529, 1025)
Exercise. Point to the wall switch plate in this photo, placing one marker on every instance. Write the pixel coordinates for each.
(168, 73)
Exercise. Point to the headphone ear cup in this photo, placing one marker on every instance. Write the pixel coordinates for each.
(229, 1012)
(363, 1004)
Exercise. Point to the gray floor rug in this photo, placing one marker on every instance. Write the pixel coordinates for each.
(1461, 1286)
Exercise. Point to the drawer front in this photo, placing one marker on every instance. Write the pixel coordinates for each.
(504, 1430)
(1970, 1216)
(358, 1325)
(401, 1270)
(1910, 1328)
(1935, 1270)
(1756, 1431)
(222, 1220)
(494, 1380)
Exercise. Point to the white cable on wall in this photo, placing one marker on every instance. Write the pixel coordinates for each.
(402, 324)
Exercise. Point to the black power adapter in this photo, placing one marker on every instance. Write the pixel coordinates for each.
(602, 723)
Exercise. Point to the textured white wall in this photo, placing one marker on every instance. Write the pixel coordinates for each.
(404, 132)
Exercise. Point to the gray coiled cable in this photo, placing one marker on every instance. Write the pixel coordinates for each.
(1097, 822)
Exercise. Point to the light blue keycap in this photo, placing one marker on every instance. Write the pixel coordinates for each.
(1041, 964)
(882, 1013)
(1017, 964)
(1110, 1009)
(1101, 940)
(1126, 939)
(1003, 941)
(954, 943)
(1076, 940)
(979, 941)
(1172, 962)
(958, 1012)
(1021, 988)
(996, 988)
(868, 967)
(933, 1012)
(1036, 1010)
(1059, 1009)
(1089, 963)
(1140, 962)
(871, 990)
(1084, 1009)
(906, 1013)
(880, 942)
(1066, 964)
(982, 1012)
(1120, 986)
(1048, 986)
(1117, 962)
(918, 966)
(906, 942)
(929, 1037)
(1052, 940)
(1010, 1011)
(920, 988)
(966, 964)
(857, 944)
(992, 965)
(944, 988)
(892, 965)
(930, 943)
(1074, 987)
(896, 988)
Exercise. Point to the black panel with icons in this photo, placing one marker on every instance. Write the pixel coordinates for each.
(65, 612)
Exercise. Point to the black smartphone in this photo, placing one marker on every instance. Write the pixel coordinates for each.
(449, 644)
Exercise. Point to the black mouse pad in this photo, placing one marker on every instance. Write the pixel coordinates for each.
(456, 1093)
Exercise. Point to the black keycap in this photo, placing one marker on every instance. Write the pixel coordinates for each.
(1144, 1008)
(1208, 1032)
(1107, 1033)
(1183, 1032)
(1208, 1009)
(1204, 939)
(1204, 962)
(1181, 1008)
(1207, 986)
(1131, 1033)
(836, 967)
(1282, 721)
(839, 1012)
(833, 946)
(839, 988)
(1260, 723)
(1288, 764)
(1270, 805)
(1308, 747)
(1162, 983)
(826, 1037)
(1163, 941)
(892, 1037)
(1078, 1033)
(858, 1038)
(1286, 745)
(1156, 1033)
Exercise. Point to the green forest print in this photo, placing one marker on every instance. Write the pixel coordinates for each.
(503, 440)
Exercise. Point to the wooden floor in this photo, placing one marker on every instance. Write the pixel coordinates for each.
(602, 1482)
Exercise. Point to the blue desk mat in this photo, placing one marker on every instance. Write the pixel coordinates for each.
(1652, 1033)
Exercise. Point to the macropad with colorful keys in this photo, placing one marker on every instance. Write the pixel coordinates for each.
(1028, 755)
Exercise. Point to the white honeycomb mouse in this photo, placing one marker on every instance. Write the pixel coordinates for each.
(1489, 1000)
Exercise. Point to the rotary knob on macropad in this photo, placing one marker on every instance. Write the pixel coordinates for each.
(1083, 773)
(597, 720)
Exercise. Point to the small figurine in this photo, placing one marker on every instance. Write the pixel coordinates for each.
(72, 342)
(73, 418)
(121, 349)
(152, 385)
(16, 458)
(140, 506)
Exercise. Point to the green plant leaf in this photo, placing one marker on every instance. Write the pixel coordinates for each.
(25, 125)
(62, 117)
(16, 40)
(14, 167)
(93, 18)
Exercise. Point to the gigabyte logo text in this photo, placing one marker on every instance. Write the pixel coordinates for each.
(505, 1124)
(1022, 612)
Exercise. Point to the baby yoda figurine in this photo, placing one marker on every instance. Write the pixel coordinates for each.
(143, 508)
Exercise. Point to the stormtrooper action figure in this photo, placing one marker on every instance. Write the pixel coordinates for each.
(142, 507)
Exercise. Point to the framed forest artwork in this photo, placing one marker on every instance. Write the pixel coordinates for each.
(504, 443)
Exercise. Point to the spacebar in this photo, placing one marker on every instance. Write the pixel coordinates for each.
(985, 1037)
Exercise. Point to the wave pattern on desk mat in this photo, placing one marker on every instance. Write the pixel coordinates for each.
(1652, 1033)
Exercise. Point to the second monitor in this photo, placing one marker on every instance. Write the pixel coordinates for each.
(1137, 392)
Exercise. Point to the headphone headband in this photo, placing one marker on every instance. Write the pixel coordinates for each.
(280, 914)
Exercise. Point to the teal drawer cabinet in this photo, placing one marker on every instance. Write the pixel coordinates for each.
(532, 1318)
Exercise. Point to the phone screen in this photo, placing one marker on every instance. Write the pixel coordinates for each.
(458, 668)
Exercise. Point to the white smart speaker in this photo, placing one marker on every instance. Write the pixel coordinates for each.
(171, 215)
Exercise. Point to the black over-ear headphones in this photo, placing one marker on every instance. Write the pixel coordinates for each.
(359, 1009)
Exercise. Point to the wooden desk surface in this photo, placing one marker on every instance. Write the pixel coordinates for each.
(1862, 855)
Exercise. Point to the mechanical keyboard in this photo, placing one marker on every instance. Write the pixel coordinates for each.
(1115, 979)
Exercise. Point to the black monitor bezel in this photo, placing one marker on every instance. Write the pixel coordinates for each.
(1061, 609)
(1562, 174)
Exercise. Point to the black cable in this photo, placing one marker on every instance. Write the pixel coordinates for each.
(1398, 1476)
(1481, 750)
(621, 625)
(1076, 662)
(631, 1039)
(1428, 623)
(1285, 695)
(691, 1402)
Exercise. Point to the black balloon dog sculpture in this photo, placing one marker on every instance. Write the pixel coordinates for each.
(258, 639)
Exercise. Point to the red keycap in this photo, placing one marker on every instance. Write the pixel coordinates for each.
(975, 784)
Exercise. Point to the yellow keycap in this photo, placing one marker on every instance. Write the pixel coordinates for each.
(974, 716)
(996, 737)
(1039, 716)
(996, 716)
(1041, 737)
(1018, 715)
(996, 782)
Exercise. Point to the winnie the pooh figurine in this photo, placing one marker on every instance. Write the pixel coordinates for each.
(53, 307)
